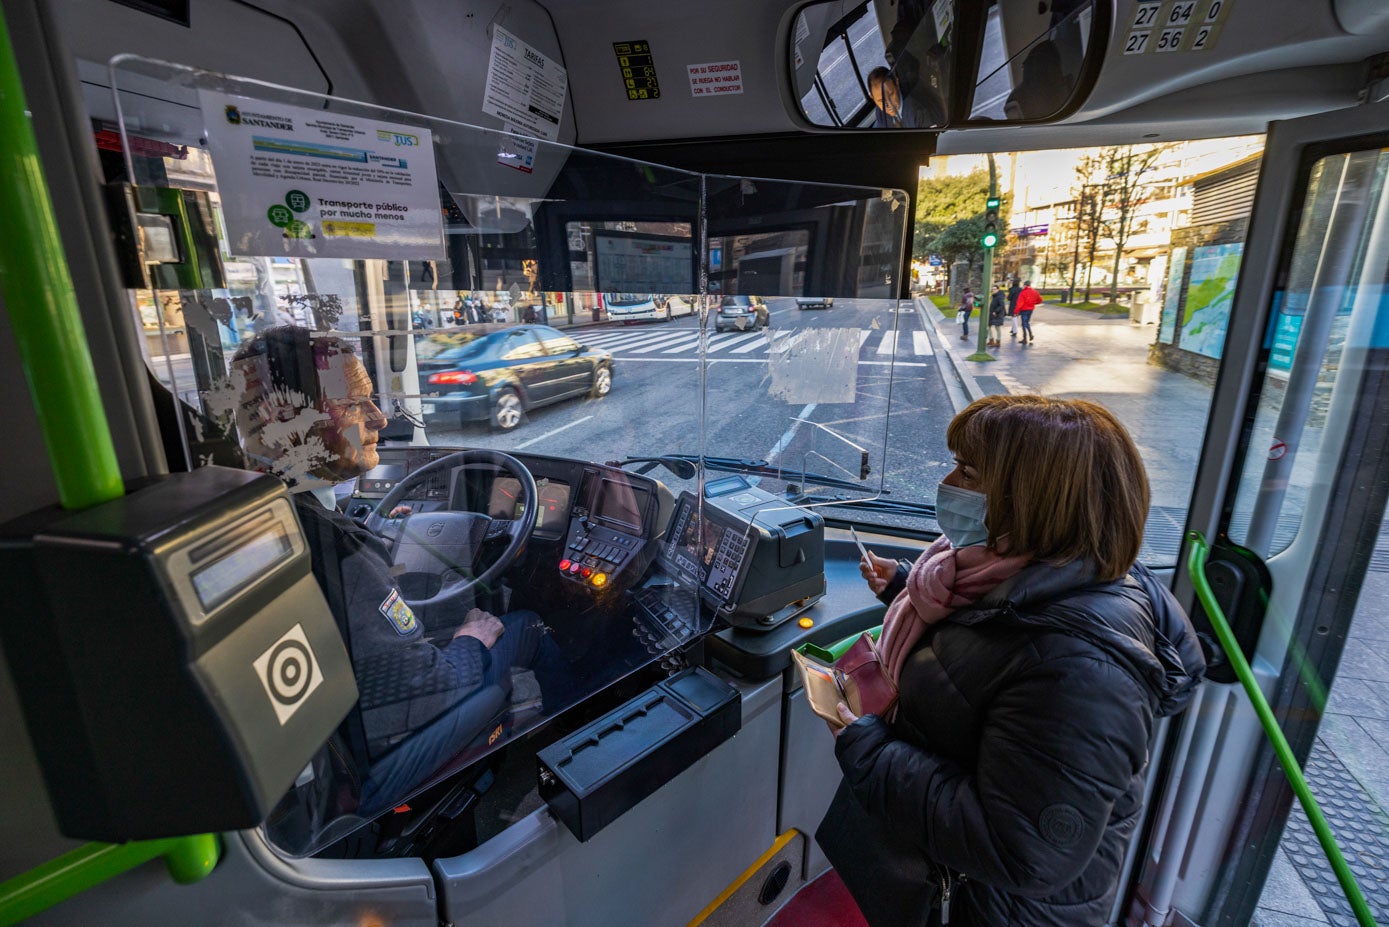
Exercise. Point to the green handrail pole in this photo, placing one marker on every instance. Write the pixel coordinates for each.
(42, 306)
(1196, 566)
(188, 859)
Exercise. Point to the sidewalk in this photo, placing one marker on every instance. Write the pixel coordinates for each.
(1080, 354)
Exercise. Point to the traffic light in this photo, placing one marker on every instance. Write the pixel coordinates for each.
(990, 236)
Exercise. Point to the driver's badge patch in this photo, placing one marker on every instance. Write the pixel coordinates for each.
(398, 612)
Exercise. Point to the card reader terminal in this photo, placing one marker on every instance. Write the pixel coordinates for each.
(756, 558)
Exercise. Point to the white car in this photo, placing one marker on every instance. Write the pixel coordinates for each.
(814, 302)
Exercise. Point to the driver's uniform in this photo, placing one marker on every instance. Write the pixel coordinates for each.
(414, 696)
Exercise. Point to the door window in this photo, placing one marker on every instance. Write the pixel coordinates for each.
(1335, 261)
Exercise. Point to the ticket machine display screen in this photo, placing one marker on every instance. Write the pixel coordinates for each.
(708, 550)
(218, 580)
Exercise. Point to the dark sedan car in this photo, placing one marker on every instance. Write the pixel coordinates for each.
(494, 373)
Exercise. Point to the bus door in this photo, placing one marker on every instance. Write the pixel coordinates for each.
(1295, 468)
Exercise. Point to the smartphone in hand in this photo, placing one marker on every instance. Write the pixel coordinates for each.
(863, 551)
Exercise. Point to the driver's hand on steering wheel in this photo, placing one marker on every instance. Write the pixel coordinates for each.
(400, 511)
(482, 625)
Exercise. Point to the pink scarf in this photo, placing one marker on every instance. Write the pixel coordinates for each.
(942, 579)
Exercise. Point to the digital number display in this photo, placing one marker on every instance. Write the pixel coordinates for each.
(638, 70)
(221, 579)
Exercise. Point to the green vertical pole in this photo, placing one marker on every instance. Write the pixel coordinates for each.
(981, 352)
(1196, 568)
(42, 307)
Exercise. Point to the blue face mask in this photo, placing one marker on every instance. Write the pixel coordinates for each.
(960, 514)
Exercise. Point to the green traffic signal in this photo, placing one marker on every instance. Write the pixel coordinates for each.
(992, 202)
(990, 239)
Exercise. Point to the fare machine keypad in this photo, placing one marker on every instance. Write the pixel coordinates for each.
(175, 659)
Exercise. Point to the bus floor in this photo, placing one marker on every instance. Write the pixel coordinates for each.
(824, 902)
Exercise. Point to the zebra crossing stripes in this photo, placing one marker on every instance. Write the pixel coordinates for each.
(759, 342)
(720, 342)
(883, 344)
(665, 342)
(626, 340)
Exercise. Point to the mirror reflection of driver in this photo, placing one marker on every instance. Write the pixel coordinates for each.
(306, 415)
(887, 97)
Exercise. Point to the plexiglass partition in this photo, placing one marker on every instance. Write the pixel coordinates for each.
(494, 372)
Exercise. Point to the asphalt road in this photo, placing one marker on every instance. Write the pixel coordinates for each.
(811, 394)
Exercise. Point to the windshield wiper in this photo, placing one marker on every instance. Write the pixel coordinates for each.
(877, 504)
(742, 465)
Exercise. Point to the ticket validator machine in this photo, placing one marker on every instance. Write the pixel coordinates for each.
(176, 661)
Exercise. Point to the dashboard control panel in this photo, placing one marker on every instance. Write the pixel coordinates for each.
(594, 555)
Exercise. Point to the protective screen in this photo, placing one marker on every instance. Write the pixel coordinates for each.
(486, 366)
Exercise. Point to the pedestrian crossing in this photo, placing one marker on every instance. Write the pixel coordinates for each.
(877, 344)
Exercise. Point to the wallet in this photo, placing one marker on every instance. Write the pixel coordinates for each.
(858, 679)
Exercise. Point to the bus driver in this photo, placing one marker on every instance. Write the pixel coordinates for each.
(306, 415)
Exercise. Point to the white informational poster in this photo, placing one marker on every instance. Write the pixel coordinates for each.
(301, 182)
(717, 77)
(524, 88)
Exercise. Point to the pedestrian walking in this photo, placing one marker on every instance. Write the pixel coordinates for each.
(963, 312)
(1013, 292)
(1028, 300)
(998, 311)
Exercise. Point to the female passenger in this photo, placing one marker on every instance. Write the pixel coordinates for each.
(1032, 655)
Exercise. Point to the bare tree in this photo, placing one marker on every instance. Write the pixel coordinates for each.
(1111, 184)
(1128, 184)
(1091, 171)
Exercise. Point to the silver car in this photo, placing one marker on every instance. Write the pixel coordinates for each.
(740, 313)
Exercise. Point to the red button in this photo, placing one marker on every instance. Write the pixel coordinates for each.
(564, 564)
(586, 572)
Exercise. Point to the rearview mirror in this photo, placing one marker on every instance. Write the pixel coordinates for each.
(907, 64)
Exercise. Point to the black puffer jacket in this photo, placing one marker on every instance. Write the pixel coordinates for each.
(1013, 775)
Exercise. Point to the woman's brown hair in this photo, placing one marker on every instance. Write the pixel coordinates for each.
(1063, 477)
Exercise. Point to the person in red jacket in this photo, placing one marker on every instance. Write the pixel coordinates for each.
(1028, 300)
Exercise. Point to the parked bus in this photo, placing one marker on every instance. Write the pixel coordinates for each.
(176, 684)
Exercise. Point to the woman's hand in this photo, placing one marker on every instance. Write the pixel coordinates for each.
(878, 571)
(845, 715)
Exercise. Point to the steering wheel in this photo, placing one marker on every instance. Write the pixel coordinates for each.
(446, 543)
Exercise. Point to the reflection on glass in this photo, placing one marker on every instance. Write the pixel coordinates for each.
(456, 430)
(1031, 57)
(886, 65)
(891, 65)
(1336, 266)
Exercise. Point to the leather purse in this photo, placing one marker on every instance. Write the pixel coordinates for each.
(868, 689)
(857, 678)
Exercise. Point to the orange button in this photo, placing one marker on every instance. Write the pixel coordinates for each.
(599, 579)
(806, 623)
